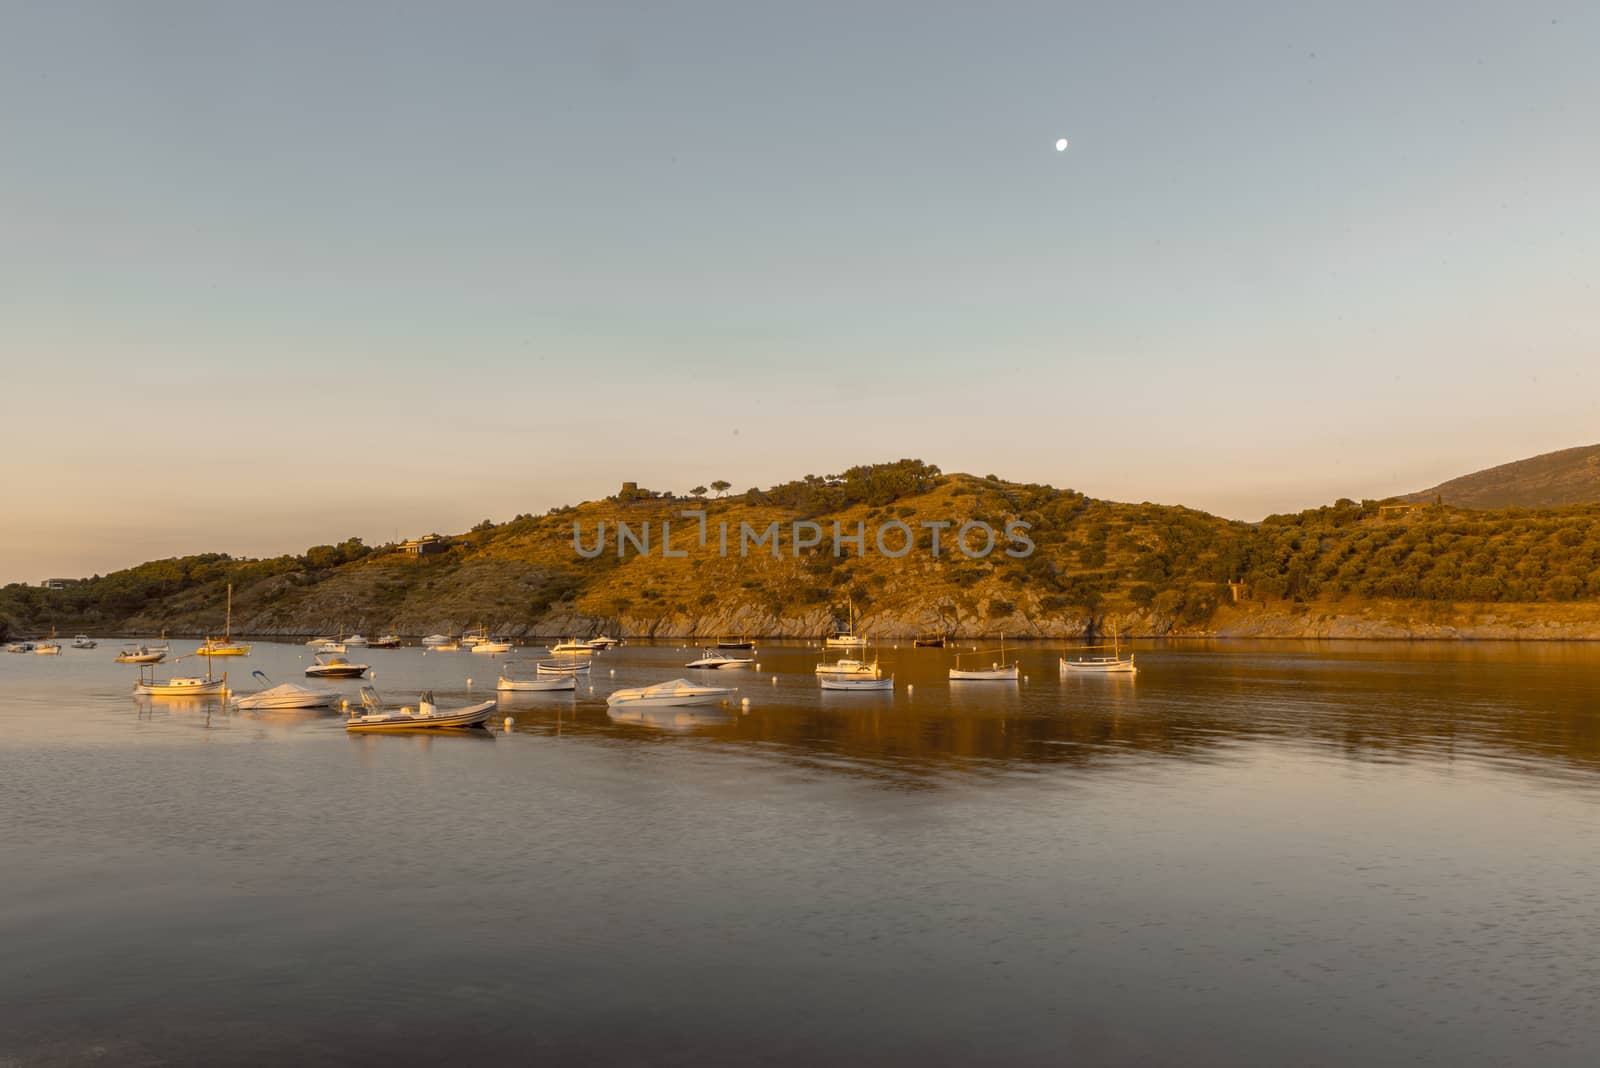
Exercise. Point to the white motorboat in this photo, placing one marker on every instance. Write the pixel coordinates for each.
(849, 667)
(426, 716)
(856, 685)
(676, 692)
(438, 639)
(331, 647)
(19, 647)
(141, 654)
(710, 658)
(288, 695)
(603, 642)
(335, 667)
(83, 641)
(565, 666)
(322, 640)
(574, 647)
(1115, 664)
(492, 646)
(356, 641)
(178, 685)
(513, 679)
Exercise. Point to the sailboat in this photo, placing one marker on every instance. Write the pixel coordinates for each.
(49, 646)
(998, 671)
(224, 646)
(848, 639)
(179, 685)
(1103, 665)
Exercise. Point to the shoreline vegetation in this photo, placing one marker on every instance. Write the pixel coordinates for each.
(1350, 570)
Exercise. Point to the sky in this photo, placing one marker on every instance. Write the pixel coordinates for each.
(275, 275)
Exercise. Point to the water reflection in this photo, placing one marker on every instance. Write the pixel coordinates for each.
(672, 719)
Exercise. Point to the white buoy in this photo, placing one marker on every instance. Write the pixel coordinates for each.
(745, 703)
(469, 684)
(591, 689)
(613, 672)
(344, 706)
(909, 688)
(758, 667)
(509, 722)
(774, 680)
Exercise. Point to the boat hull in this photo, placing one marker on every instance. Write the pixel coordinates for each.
(287, 697)
(223, 650)
(849, 685)
(168, 689)
(1098, 667)
(554, 682)
(141, 658)
(1009, 674)
(492, 648)
(351, 671)
(393, 722)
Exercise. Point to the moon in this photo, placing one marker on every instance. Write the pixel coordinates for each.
(1061, 145)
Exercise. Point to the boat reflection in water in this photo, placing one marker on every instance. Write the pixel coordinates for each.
(672, 718)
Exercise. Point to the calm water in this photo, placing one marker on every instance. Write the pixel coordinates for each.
(1319, 853)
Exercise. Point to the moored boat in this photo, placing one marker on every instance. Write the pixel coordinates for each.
(426, 716)
(492, 646)
(514, 679)
(710, 658)
(997, 671)
(673, 693)
(83, 641)
(387, 641)
(225, 645)
(141, 654)
(849, 667)
(287, 695)
(1115, 664)
(848, 684)
(573, 646)
(335, 667)
(562, 666)
(178, 685)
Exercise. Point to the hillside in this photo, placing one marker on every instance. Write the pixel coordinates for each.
(1555, 479)
(1348, 568)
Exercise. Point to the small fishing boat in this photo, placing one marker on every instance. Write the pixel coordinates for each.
(997, 671)
(847, 684)
(19, 647)
(741, 642)
(178, 685)
(356, 641)
(48, 647)
(83, 641)
(1115, 664)
(563, 666)
(492, 646)
(446, 647)
(331, 647)
(335, 667)
(388, 641)
(141, 654)
(288, 695)
(438, 639)
(675, 693)
(847, 666)
(710, 658)
(514, 679)
(929, 641)
(225, 645)
(602, 642)
(426, 716)
(573, 646)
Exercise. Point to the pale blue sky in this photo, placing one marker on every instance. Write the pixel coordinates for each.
(276, 274)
